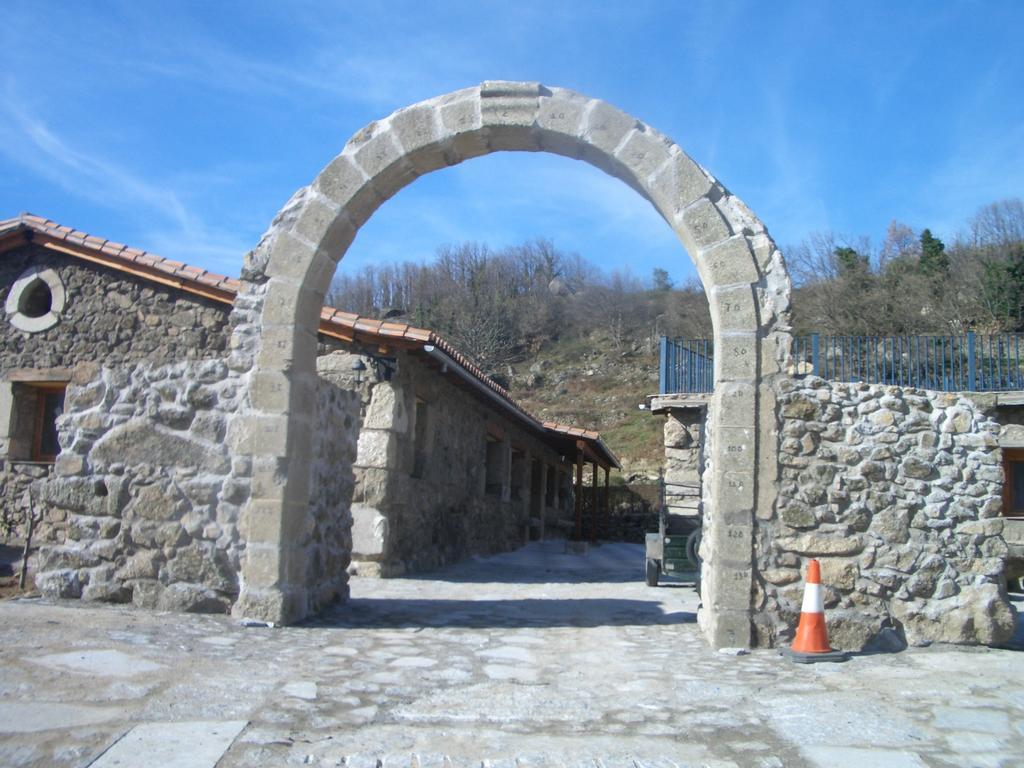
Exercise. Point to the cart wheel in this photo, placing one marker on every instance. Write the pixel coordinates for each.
(653, 568)
(692, 548)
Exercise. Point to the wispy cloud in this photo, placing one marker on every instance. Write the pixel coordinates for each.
(175, 230)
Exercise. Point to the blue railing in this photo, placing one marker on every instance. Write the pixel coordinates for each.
(969, 362)
(686, 365)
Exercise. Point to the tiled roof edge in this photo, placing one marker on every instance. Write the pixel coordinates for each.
(201, 278)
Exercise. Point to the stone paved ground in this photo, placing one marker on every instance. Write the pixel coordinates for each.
(531, 658)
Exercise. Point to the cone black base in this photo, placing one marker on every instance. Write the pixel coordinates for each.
(810, 658)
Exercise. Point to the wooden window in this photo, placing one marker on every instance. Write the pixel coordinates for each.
(35, 407)
(1013, 482)
(49, 405)
(495, 472)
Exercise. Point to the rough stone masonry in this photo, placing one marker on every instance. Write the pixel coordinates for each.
(898, 493)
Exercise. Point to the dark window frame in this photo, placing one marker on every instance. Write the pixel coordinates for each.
(42, 391)
(1012, 457)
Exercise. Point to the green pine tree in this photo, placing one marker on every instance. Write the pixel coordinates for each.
(933, 261)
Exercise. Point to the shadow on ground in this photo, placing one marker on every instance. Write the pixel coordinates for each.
(462, 574)
(548, 562)
(514, 613)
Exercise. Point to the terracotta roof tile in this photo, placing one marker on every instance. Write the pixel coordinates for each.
(417, 334)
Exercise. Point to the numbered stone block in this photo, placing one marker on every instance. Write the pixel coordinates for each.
(702, 226)
(260, 522)
(462, 124)
(735, 488)
(347, 185)
(677, 185)
(289, 258)
(377, 154)
(286, 347)
(560, 124)
(271, 390)
(735, 404)
(416, 128)
(508, 111)
(735, 307)
(263, 564)
(607, 127)
(732, 543)
(729, 629)
(729, 263)
(643, 153)
(736, 357)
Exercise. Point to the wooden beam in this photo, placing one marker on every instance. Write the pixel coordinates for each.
(593, 504)
(578, 496)
(15, 239)
(607, 505)
(38, 375)
(591, 455)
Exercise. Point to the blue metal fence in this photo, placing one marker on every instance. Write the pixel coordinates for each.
(686, 365)
(969, 362)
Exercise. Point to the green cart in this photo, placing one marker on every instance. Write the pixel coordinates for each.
(674, 549)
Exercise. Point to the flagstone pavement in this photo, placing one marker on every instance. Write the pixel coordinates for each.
(532, 658)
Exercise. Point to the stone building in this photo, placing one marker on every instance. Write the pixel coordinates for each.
(905, 496)
(119, 384)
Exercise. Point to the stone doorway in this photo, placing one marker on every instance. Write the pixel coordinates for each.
(287, 275)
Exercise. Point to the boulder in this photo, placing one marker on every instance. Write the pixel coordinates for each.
(204, 564)
(979, 615)
(142, 442)
(191, 598)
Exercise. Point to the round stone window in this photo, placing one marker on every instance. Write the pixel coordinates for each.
(36, 300)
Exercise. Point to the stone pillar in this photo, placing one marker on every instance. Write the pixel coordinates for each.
(682, 435)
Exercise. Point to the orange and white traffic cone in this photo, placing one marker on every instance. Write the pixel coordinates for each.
(811, 641)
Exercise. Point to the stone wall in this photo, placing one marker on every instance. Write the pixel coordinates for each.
(330, 519)
(421, 495)
(147, 483)
(898, 493)
(17, 478)
(110, 317)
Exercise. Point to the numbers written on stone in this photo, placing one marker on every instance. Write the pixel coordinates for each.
(736, 533)
(739, 351)
(735, 448)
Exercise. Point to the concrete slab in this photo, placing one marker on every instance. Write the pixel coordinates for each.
(197, 744)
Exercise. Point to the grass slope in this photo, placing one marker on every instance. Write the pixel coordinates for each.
(587, 383)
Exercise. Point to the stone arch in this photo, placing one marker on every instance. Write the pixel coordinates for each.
(286, 276)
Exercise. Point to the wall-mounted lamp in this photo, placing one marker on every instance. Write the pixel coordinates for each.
(359, 366)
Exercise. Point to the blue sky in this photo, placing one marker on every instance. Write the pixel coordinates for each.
(183, 127)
